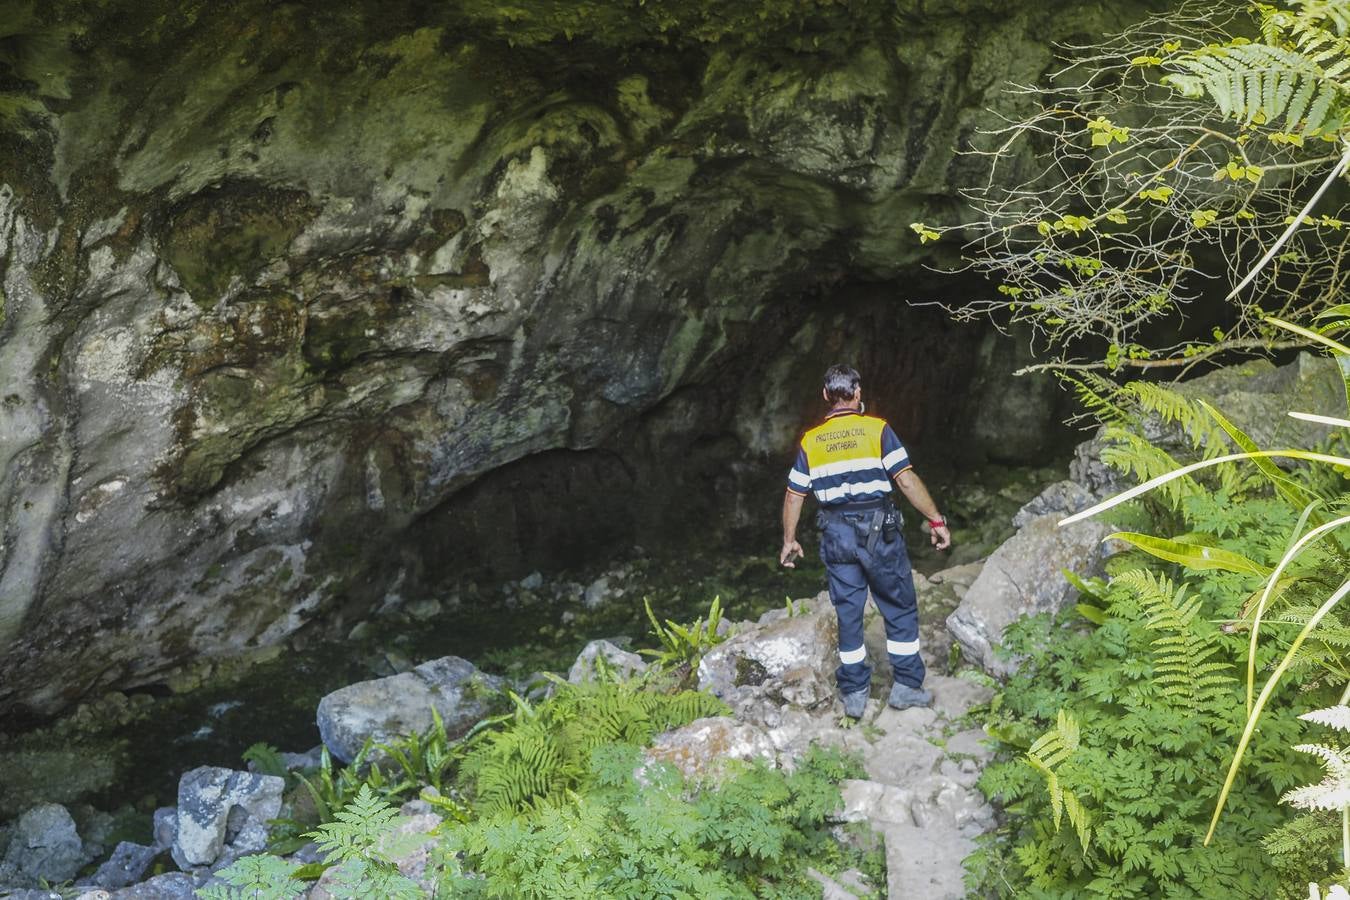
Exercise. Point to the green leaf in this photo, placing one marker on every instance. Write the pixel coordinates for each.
(1094, 614)
(1192, 556)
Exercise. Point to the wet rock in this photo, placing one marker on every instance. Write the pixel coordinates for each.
(220, 808)
(699, 748)
(1257, 396)
(850, 885)
(959, 577)
(44, 846)
(623, 662)
(127, 865)
(791, 650)
(1023, 577)
(399, 705)
(424, 609)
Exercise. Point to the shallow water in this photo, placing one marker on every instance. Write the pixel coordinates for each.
(511, 628)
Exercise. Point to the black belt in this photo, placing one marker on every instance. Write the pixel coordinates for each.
(858, 506)
(859, 510)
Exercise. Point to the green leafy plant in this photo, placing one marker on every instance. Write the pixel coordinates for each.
(683, 646)
(1119, 729)
(645, 836)
(257, 877)
(541, 752)
(266, 760)
(362, 843)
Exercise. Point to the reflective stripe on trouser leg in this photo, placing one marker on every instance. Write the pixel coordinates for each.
(888, 572)
(848, 593)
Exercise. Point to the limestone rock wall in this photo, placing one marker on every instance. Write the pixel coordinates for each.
(280, 281)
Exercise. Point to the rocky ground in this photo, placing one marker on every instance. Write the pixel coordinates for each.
(775, 673)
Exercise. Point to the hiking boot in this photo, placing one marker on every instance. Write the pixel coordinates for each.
(903, 696)
(855, 703)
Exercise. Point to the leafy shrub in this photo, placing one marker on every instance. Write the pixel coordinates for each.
(1122, 731)
(683, 646)
(543, 751)
(635, 830)
(361, 841)
(1139, 778)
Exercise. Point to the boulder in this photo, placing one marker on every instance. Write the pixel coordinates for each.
(1257, 396)
(164, 827)
(701, 747)
(798, 653)
(44, 845)
(127, 865)
(1023, 577)
(1063, 498)
(222, 808)
(173, 886)
(387, 708)
(621, 661)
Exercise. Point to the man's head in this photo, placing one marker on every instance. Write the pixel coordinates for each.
(841, 384)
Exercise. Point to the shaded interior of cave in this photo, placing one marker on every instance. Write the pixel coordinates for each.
(697, 467)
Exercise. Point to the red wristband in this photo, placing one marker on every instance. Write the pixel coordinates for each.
(939, 522)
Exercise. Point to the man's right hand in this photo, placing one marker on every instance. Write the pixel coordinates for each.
(788, 555)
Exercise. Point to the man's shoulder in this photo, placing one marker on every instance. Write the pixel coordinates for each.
(876, 422)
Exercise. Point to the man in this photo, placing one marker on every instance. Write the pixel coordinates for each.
(849, 461)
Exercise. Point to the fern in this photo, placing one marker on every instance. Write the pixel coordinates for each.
(1184, 653)
(1049, 750)
(266, 760)
(756, 834)
(1250, 80)
(1128, 411)
(362, 842)
(258, 877)
(1098, 397)
(543, 752)
(1333, 791)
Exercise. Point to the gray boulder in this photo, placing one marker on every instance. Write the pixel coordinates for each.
(222, 807)
(388, 708)
(622, 661)
(44, 845)
(793, 656)
(127, 865)
(173, 886)
(1063, 498)
(1022, 577)
(165, 827)
(700, 749)
(1257, 396)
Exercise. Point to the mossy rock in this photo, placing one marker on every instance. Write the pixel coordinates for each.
(231, 231)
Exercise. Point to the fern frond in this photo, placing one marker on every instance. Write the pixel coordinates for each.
(1183, 664)
(1337, 717)
(1300, 833)
(1250, 80)
(1046, 753)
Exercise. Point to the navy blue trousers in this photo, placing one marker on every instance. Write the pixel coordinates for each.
(852, 570)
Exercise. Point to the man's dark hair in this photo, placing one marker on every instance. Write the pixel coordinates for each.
(841, 383)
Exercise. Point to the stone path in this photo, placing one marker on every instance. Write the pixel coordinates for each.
(921, 764)
(920, 792)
